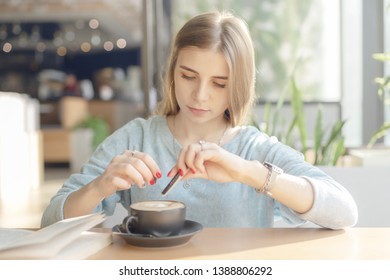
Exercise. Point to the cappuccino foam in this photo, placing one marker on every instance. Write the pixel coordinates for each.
(157, 205)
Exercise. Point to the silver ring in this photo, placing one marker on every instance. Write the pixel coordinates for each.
(201, 143)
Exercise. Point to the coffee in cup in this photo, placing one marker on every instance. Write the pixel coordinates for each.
(155, 217)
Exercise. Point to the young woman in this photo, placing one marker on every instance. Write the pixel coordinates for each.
(232, 175)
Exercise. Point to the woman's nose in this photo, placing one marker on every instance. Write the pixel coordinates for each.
(201, 92)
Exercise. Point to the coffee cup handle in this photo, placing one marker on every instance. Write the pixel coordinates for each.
(128, 222)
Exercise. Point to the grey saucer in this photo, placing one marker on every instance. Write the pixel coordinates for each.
(189, 229)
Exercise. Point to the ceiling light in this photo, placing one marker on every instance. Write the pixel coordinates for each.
(85, 47)
(121, 43)
(7, 47)
(94, 23)
(40, 47)
(108, 46)
(61, 51)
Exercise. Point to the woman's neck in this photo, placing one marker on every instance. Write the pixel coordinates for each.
(187, 132)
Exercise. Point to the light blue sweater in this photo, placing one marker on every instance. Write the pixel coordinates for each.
(209, 203)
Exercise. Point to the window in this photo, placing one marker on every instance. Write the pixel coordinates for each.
(291, 38)
(386, 32)
(327, 46)
(297, 40)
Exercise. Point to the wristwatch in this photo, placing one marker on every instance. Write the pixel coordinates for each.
(273, 172)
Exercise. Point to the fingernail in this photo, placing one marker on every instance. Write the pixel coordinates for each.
(151, 182)
(158, 174)
(169, 173)
(181, 172)
(192, 171)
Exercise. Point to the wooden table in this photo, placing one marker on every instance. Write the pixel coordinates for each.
(267, 244)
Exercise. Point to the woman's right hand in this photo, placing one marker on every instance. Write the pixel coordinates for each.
(125, 170)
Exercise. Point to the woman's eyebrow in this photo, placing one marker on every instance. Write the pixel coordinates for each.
(192, 70)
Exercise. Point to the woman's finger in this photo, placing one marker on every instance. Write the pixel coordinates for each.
(120, 183)
(136, 158)
(190, 155)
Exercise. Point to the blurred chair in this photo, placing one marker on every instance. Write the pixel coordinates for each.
(72, 111)
(57, 140)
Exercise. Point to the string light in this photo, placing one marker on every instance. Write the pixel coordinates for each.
(93, 23)
(121, 43)
(70, 36)
(95, 39)
(61, 51)
(61, 38)
(41, 47)
(108, 46)
(86, 47)
(7, 47)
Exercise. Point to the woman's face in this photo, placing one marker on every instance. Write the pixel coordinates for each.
(201, 84)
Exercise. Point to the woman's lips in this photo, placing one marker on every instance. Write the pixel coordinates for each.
(197, 111)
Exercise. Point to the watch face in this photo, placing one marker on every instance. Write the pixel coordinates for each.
(273, 168)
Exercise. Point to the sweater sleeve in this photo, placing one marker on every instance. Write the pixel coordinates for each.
(115, 144)
(333, 206)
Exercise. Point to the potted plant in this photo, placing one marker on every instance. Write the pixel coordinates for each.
(98, 126)
(328, 147)
(374, 154)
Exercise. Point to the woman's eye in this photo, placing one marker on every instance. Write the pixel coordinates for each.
(187, 77)
(219, 85)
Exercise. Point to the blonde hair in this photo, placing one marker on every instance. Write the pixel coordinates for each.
(229, 35)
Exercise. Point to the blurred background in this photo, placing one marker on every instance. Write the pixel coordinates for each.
(72, 72)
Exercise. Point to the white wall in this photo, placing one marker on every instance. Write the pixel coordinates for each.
(370, 186)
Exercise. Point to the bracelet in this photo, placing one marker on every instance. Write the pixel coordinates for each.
(273, 172)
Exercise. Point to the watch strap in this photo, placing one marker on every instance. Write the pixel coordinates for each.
(273, 172)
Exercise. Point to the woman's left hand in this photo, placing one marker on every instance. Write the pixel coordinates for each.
(210, 161)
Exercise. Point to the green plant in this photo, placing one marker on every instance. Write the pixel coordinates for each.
(99, 128)
(327, 147)
(384, 94)
(328, 151)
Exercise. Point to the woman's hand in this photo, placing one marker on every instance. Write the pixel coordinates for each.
(209, 161)
(125, 170)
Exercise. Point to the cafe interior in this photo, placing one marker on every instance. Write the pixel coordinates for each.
(73, 71)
